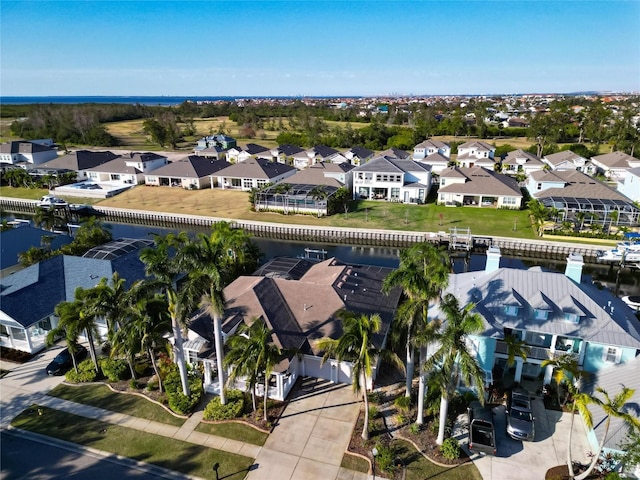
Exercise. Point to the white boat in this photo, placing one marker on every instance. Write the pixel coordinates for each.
(51, 201)
(624, 252)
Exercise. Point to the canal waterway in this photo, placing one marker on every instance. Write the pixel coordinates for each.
(607, 275)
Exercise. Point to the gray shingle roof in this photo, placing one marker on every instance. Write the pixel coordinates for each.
(577, 185)
(392, 165)
(255, 168)
(395, 152)
(529, 158)
(559, 157)
(479, 180)
(79, 160)
(193, 166)
(615, 159)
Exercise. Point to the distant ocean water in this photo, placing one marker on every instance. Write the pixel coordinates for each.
(142, 100)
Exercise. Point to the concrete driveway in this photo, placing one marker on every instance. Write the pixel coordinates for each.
(518, 460)
(311, 436)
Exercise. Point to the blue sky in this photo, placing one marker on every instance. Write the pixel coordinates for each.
(213, 48)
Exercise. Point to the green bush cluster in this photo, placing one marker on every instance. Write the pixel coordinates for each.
(384, 459)
(232, 409)
(403, 403)
(86, 372)
(178, 401)
(450, 449)
(565, 233)
(114, 369)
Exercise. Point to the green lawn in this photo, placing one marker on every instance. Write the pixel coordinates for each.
(24, 193)
(102, 397)
(419, 468)
(165, 452)
(235, 431)
(354, 462)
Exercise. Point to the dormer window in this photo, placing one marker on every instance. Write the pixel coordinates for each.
(571, 317)
(511, 310)
(612, 354)
(541, 314)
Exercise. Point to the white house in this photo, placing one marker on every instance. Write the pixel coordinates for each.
(519, 161)
(630, 185)
(615, 165)
(437, 161)
(478, 187)
(25, 154)
(430, 147)
(252, 173)
(567, 160)
(127, 169)
(193, 172)
(80, 161)
(240, 154)
(470, 153)
(392, 179)
(358, 155)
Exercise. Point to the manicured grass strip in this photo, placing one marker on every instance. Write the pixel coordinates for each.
(235, 431)
(165, 452)
(100, 396)
(354, 462)
(419, 468)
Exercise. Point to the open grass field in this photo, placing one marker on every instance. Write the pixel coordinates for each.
(233, 204)
(102, 397)
(165, 452)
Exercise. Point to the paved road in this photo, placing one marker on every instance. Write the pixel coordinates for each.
(54, 461)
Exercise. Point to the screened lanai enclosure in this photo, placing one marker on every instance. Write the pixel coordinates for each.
(295, 198)
(596, 210)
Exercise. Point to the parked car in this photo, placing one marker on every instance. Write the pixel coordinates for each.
(64, 362)
(519, 415)
(482, 435)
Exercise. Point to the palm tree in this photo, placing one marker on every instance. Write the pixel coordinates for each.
(539, 213)
(580, 216)
(148, 326)
(163, 265)
(212, 262)
(87, 320)
(317, 194)
(516, 347)
(423, 274)
(46, 218)
(613, 407)
(355, 345)
(253, 354)
(68, 314)
(453, 359)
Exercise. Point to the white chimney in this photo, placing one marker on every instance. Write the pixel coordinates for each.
(574, 267)
(493, 259)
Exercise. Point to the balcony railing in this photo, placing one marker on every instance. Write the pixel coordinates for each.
(535, 353)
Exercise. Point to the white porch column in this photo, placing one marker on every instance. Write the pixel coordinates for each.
(27, 332)
(280, 385)
(480, 206)
(207, 373)
(554, 340)
(548, 375)
(582, 351)
(518, 375)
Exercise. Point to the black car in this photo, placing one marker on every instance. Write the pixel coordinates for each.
(63, 361)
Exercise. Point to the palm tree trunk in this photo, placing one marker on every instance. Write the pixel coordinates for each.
(596, 456)
(444, 407)
(421, 390)
(410, 367)
(266, 397)
(569, 459)
(92, 350)
(365, 427)
(217, 332)
(131, 369)
(178, 351)
(253, 398)
(155, 368)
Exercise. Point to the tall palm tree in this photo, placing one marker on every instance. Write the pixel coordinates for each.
(355, 345)
(212, 262)
(452, 358)
(68, 314)
(87, 321)
(613, 407)
(253, 354)
(46, 218)
(162, 264)
(568, 372)
(516, 347)
(423, 274)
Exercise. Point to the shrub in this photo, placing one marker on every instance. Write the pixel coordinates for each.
(376, 397)
(86, 372)
(403, 403)
(450, 449)
(373, 411)
(232, 409)
(114, 369)
(414, 428)
(384, 459)
(178, 401)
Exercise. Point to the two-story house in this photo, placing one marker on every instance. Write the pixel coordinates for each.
(553, 313)
(25, 154)
(630, 185)
(252, 173)
(285, 152)
(392, 179)
(479, 187)
(220, 140)
(358, 155)
(519, 161)
(429, 147)
(127, 169)
(80, 162)
(567, 160)
(475, 153)
(240, 154)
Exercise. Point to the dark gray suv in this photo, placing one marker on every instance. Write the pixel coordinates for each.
(519, 415)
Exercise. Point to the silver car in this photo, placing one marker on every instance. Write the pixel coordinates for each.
(519, 415)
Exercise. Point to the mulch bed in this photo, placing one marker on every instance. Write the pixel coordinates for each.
(13, 355)
(561, 472)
